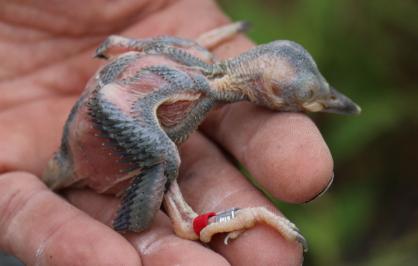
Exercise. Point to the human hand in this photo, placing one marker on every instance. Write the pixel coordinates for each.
(46, 60)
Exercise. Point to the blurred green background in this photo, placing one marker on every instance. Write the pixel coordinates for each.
(367, 50)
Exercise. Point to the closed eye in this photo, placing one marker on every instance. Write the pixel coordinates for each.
(305, 95)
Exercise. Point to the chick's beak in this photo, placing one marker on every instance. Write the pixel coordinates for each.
(338, 103)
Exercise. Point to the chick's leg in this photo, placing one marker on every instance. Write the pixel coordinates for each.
(233, 221)
(115, 44)
(185, 220)
(180, 212)
(236, 221)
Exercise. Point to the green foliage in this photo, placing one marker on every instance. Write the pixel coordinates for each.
(366, 49)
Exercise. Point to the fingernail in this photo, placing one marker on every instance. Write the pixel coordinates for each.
(322, 192)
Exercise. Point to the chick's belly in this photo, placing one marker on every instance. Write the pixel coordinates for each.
(97, 162)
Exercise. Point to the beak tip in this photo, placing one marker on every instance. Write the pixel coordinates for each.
(341, 104)
(351, 109)
(355, 110)
(358, 111)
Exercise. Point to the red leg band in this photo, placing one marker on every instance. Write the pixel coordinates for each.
(201, 221)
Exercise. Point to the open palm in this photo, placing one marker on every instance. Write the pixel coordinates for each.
(45, 55)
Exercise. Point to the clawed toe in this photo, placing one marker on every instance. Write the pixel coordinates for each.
(102, 49)
(99, 55)
(232, 235)
(299, 238)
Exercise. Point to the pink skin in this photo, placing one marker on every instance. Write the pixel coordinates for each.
(96, 164)
(44, 73)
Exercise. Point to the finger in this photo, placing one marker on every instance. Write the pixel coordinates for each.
(158, 245)
(210, 183)
(175, 20)
(42, 229)
(284, 151)
(29, 134)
